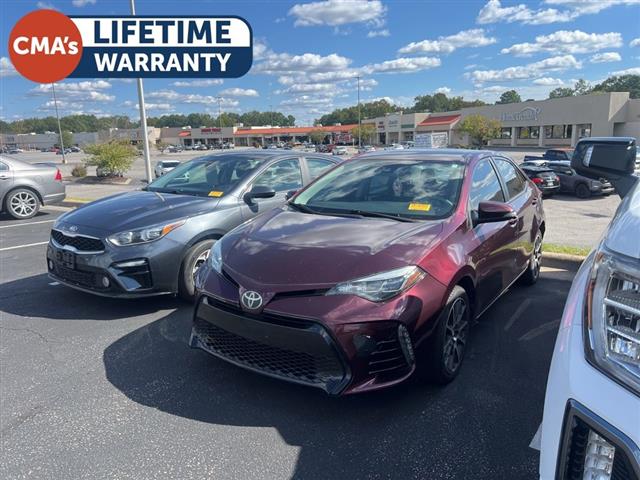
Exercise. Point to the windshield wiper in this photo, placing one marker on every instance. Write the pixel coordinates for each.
(305, 209)
(365, 213)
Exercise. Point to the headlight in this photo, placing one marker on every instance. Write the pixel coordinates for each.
(381, 286)
(215, 257)
(144, 235)
(612, 326)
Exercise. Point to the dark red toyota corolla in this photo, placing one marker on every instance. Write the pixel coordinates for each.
(380, 264)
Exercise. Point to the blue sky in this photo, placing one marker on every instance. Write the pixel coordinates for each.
(306, 54)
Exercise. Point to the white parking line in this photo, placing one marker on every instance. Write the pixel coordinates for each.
(23, 224)
(23, 246)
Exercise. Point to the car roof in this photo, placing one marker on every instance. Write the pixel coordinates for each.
(267, 154)
(451, 154)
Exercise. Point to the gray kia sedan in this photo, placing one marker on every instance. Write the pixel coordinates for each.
(151, 242)
(25, 187)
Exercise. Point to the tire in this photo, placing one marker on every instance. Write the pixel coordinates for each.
(444, 352)
(197, 254)
(22, 203)
(582, 191)
(532, 273)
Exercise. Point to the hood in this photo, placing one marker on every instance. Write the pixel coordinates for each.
(289, 250)
(137, 209)
(622, 235)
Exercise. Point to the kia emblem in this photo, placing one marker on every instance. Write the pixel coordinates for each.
(251, 300)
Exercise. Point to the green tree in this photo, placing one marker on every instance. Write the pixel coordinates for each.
(581, 87)
(366, 131)
(480, 128)
(622, 83)
(561, 92)
(113, 156)
(317, 136)
(510, 96)
(67, 139)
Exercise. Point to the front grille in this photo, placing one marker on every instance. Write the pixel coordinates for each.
(387, 358)
(293, 349)
(80, 243)
(84, 279)
(316, 370)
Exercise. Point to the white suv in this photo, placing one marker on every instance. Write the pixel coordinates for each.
(591, 424)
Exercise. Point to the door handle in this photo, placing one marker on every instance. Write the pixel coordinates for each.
(4, 177)
(514, 221)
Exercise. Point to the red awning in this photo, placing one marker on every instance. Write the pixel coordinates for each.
(184, 134)
(443, 120)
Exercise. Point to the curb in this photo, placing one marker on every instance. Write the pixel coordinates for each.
(74, 202)
(564, 261)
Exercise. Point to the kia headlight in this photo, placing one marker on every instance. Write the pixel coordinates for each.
(144, 235)
(612, 323)
(215, 257)
(381, 286)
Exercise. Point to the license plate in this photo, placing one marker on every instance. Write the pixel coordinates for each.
(66, 259)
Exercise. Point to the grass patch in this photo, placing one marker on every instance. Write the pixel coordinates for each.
(567, 249)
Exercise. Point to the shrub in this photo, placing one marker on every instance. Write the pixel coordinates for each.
(79, 171)
(115, 157)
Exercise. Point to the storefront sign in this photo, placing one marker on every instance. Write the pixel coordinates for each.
(525, 115)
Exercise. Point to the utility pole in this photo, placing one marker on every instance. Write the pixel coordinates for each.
(55, 104)
(143, 118)
(359, 117)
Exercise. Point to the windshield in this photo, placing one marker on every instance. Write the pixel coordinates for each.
(211, 176)
(418, 189)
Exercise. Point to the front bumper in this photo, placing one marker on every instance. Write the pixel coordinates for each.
(575, 389)
(125, 272)
(341, 344)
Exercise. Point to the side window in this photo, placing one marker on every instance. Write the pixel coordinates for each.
(282, 176)
(512, 178)
(3, 167)
(317, 166)
(485, 185)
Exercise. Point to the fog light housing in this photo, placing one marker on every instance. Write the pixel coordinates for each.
(405, 344)
(50, 264)
(598, 460)
(105, 281)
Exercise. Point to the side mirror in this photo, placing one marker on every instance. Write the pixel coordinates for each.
(258, 191)
(290, 194)
(610, 157)
(492, 212)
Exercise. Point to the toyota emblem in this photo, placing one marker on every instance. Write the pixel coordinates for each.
(251, 300)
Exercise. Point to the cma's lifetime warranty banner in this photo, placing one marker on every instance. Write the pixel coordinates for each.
(47, 46)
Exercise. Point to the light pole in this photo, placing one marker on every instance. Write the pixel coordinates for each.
(219, 98)
(359, 119)
(143, 119)
(55, 104)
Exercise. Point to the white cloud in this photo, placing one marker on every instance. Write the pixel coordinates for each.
(565, 41)
(87, 91)
(260, 50)
(307, 62)
(548, 81)
(402, 65)
(239, 92)
(445, 90)
(46, 6)
(466, 38)
(307, 88)
(378, 33)
(208, 82)
(635, 42)
(175, 97)
(605, 57)
(82, 3)
(531, 70)
(156, 106)
(6, 68)
(338, 12)
(628, 71)
(304, 100)
(494, 12)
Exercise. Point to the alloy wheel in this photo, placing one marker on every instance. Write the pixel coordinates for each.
(23, 204)
(199, 261)
(536, 257)
(456, 331)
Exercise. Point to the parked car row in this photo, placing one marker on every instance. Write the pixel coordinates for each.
(569, 181)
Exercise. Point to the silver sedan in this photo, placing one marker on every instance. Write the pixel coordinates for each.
(25, 187)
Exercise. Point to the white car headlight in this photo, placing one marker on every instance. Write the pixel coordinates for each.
(143, 235)
(381, 286)
(612, 324)
(215, 257)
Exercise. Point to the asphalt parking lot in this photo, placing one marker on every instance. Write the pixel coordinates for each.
(101, 388)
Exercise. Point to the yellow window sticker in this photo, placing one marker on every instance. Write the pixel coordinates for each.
(423, 207)
(215, 193)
